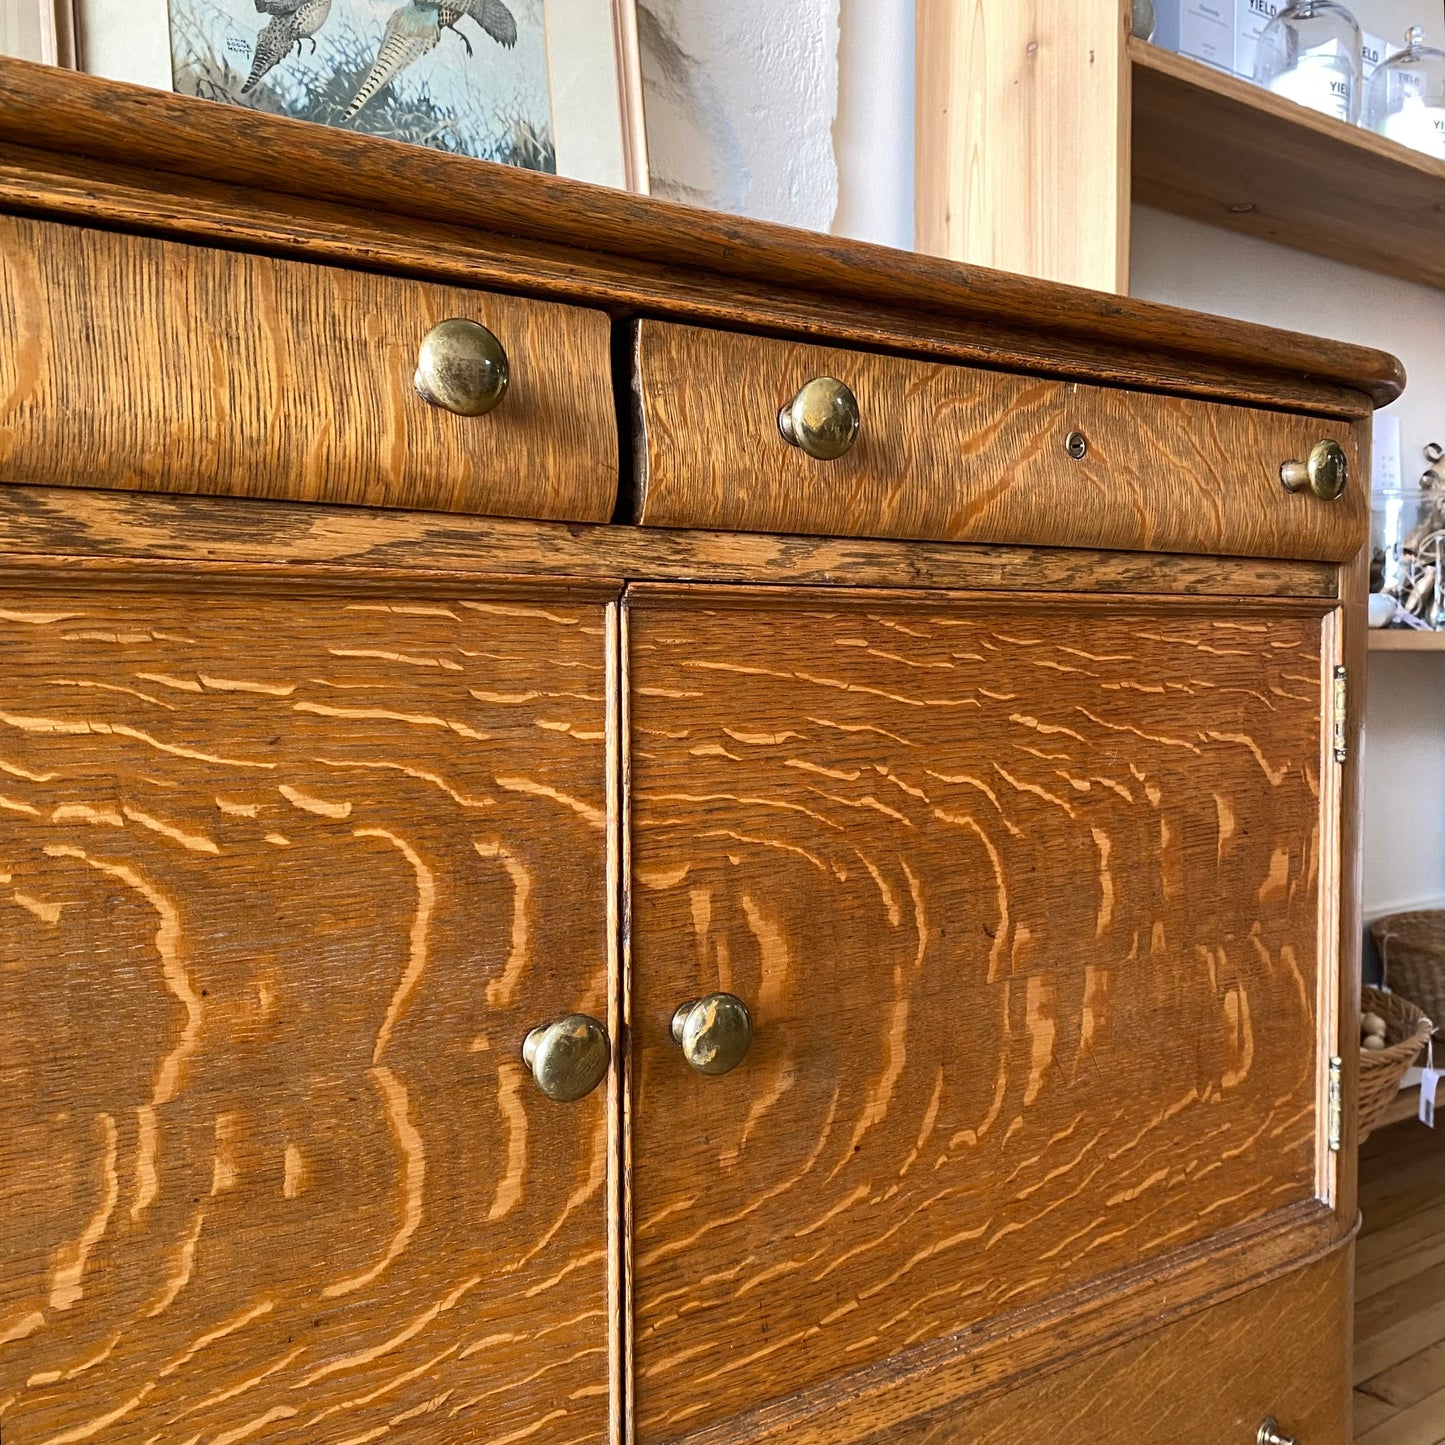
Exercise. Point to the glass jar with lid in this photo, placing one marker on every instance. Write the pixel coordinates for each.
(1311, 53)
(1405, 97)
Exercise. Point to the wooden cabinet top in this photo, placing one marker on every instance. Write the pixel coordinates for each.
(95, 151)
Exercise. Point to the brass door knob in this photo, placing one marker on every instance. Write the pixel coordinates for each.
(714, 1032)
(461, 367)
(1271, 1434)
(822, 420)
(1325, 473)
(569, 1058)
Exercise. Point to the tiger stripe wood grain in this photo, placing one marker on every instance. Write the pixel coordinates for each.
(151, 365)
(1281, 1351)
(964, 455)
(1024, 899)
(284, 883)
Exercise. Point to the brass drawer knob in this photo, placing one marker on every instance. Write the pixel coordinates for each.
(569, 1058)
(1271, 1434)
(461, 368)
(822, 420)
(1325, 473)
(714, 1032)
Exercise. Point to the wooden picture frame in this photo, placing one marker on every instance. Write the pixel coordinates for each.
(597, 130)
(41, 30)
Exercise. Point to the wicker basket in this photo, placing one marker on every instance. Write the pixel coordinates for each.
(1407, 1031)
(1412, 957)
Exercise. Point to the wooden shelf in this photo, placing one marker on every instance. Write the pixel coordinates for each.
(1224, 151)
(1404, 639)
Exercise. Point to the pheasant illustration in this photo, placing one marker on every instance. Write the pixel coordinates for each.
(291, 22)
(416, 27)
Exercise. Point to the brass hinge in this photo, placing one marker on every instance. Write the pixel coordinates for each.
(1341, 701)
(1337, 1068)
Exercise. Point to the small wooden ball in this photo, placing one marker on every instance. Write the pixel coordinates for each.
(1373, 1024)
(1373, 1043)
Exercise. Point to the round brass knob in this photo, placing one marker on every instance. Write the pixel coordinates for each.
(461, 367)
(1325, 473)
(569, 1058)
(822, 420)
(1270, 1434)
(714, 1032)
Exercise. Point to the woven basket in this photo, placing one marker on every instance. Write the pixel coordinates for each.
(1407, 1031)
(1412, 957)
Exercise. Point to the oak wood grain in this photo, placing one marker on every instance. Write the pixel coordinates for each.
(44, 183)
(286, 880)
(1024, 901)
(92, 529)
(143, 130)
(143, 364)
(968, 455)
(1281, 1351)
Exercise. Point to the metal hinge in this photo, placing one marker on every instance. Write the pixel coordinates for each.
(1337, 1070)
(1341, 701)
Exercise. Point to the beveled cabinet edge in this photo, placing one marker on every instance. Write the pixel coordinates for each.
(87, 530)
(114, 128)
(1011, 1349)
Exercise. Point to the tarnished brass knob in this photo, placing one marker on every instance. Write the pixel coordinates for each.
(714, 1032)
(569, 1058)
(822, 420)
(1325, 473)
(1270, 1434)
(461, 367)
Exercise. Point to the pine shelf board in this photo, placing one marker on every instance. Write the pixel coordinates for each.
(1226, 152)
(1400, 639)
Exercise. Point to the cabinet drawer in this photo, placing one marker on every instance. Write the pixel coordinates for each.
(150, 365)
(286, 879)
(959, 454)
(1278, 1352)
(1024, 900)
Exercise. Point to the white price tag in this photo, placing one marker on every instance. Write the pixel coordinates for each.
(1429, 1079)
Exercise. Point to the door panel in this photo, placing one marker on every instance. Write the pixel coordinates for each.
(1024, 901)
(285, 879)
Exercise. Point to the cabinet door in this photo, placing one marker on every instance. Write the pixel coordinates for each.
(1025, 900)
(285, 878)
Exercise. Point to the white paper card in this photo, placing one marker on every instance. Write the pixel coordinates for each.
(1385, 453)
(1429, 1081)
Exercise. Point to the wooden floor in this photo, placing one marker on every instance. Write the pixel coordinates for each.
(1400, 1289)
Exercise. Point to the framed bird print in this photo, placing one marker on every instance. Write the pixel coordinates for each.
(513, 81)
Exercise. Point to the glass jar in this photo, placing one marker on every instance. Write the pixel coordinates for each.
(1407, 557)
(1311, 53)
(1141, 19)
(1405, 97)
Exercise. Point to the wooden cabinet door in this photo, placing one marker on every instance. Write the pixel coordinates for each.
(1030, 903)
(287, 872)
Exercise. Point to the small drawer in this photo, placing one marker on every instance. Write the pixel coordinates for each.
(1276, 1353)
(954, 453)
(149, 365)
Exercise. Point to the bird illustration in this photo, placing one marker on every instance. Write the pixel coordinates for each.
(416, 27)
(291, 22)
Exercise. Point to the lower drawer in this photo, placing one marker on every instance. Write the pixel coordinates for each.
(1281, 1351)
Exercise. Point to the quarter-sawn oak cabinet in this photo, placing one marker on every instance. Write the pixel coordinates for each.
(875, 741)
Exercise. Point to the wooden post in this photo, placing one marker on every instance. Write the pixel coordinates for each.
(1023, 139)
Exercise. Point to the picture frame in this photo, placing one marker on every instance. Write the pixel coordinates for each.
(39, 30)
(546, 50)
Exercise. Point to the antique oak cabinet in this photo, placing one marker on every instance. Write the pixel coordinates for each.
(620, 825)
